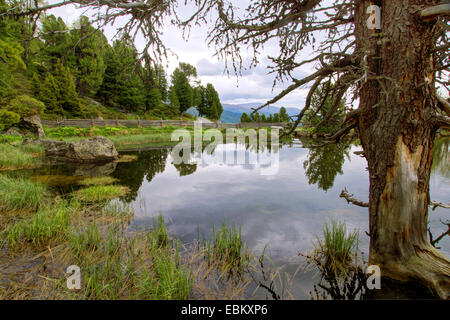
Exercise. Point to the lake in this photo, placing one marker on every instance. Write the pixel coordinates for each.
(285, 211)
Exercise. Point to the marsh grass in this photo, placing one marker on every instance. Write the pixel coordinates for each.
(20, 194)
(100, 193)
(19, 157)
(336, 252)
(226, 247)
(97, 181)
(49, 223)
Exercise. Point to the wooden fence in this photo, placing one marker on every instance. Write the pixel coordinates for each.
(86, 123)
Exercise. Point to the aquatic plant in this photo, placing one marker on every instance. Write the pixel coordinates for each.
(100, 193)
(20, 194)
(97, 181)
(18, 157)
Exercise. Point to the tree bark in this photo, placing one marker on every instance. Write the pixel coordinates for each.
(397, 135)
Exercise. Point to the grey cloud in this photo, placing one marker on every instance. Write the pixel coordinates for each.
(207, 68)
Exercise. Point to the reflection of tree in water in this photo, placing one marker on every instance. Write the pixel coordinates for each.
(186, 169)
(441, 157)
(148, 164)
(324, 163)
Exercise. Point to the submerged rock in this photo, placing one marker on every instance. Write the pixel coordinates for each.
(32, 125)
(96, 149)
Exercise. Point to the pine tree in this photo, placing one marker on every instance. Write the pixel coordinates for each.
(174, 104)
(284, 117)
(86, 61)
(49, 95)
(245, 118)
(214, 105)
(122, 87)
(183, 90)
(68, 97)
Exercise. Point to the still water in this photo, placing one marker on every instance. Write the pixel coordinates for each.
(285, 211)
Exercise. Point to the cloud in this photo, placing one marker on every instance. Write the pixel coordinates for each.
(206, 68)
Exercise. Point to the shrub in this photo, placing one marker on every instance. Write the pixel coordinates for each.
(25, 106)
(8, 119)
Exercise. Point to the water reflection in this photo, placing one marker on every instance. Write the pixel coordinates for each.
(286, 210)
(323, 164)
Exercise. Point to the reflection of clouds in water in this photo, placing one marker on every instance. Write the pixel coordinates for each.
(283, 210)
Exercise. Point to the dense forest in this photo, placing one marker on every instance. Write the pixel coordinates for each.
(60, 71)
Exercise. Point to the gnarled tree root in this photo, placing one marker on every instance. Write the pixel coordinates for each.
(427, 266)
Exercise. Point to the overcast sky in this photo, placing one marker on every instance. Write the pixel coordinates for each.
(255, 85)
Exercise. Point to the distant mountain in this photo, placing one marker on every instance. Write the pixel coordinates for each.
(247, 107)
(232, 112)
(230, 117)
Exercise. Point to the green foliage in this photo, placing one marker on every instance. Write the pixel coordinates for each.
(10, 50)
(337, 248)
(86, 61)
(208, 102)
(49, 95)
(49, 223)
(320, 108)
(183, 90)
(12, 157)
(20, 194)
(67, 95)
(55, 34)
(174, 103)
(25, 106)
(325, 163)
(98, 193)
(8, 119)
(284, 117)
(122, 87)
(227, 248)
(67, 68)
(245, 118)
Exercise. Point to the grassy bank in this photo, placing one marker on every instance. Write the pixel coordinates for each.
(45, 234)
(16, 156)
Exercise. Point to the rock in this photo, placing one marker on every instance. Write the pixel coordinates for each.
(95, 170)
(13, 131)
(32, 125)
(94, 150)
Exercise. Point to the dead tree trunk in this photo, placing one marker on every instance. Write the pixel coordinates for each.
(396, 127)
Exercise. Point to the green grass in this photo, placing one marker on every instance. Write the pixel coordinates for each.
(88, 239)
(337, 247)
(18, 157)
(97, 181)
(165, 280)
(48, 223)
(20, 194)
(226, 247)
(100, 193)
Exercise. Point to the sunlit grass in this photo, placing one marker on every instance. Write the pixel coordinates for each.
(100, 193)
(97, 181)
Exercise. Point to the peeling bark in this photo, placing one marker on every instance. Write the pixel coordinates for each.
(397, 138)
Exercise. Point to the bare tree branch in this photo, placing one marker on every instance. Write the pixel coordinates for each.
(439, 10)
